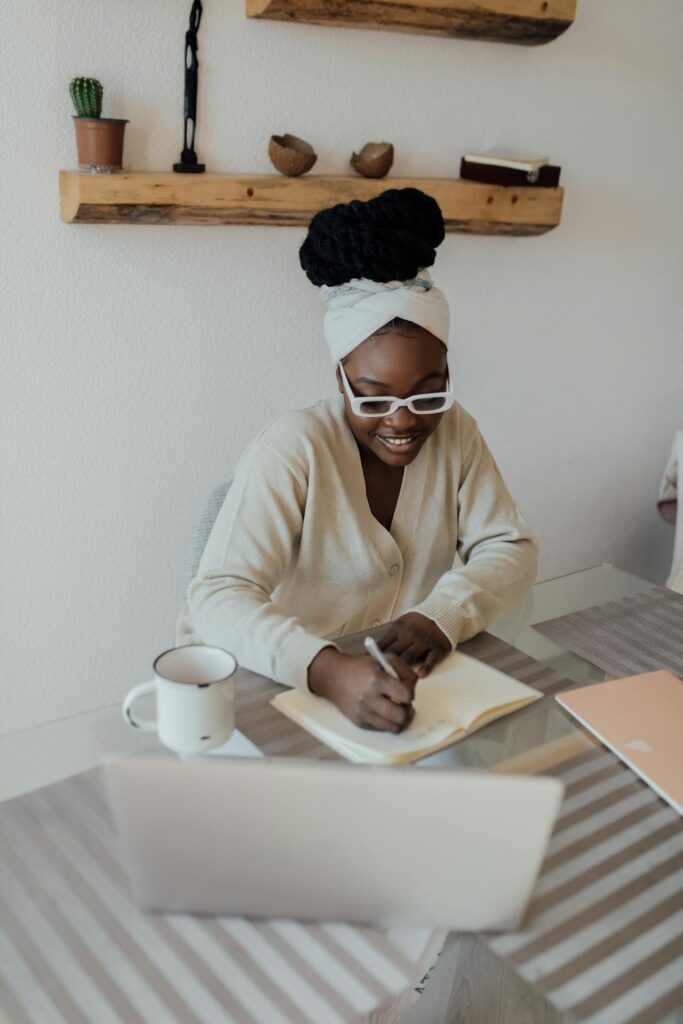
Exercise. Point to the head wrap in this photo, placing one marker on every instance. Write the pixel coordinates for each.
(360, 306)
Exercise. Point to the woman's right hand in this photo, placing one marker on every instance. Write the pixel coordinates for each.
(363, 691)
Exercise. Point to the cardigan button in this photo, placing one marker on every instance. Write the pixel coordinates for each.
(393, 570)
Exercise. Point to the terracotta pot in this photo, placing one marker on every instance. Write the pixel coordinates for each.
(99, 142)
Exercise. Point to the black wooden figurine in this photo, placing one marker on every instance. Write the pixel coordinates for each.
(188, 158)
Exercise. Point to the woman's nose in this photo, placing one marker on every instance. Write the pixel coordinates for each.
(402, 420)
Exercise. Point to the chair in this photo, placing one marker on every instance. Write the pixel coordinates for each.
(202, 528)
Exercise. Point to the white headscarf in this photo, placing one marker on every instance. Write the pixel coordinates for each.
(360, 306)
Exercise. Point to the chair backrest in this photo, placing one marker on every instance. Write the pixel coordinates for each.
(202, 528)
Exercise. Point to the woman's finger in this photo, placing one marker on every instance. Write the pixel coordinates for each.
(379, 724)
(388, 637)
(397, 690)
(382, 707)
(415, 652)
(400, 644)
(433, 657)
(404, 671)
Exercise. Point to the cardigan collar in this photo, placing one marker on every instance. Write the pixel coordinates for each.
(395, 541)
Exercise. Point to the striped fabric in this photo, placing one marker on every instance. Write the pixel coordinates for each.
(603, 938)
(75, 950)
(634, 634)
(604, 932)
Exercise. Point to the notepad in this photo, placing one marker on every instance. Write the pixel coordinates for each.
(459, 696)
(640, 718)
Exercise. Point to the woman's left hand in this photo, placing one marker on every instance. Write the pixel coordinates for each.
(414, 637)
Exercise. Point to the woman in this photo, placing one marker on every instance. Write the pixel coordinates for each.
(351, 513)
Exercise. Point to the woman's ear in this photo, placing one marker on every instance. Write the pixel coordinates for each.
(340, 383)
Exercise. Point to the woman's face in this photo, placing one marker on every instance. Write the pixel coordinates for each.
(404, 362)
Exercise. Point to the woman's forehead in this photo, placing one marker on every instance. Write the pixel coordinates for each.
(403, 358)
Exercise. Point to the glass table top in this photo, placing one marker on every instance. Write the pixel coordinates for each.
(42, 754)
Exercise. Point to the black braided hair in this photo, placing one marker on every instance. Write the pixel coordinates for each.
(387, 238)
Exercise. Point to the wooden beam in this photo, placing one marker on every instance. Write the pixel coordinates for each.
(148, 197)
(527, 22)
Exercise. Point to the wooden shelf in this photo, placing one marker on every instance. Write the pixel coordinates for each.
(528, 22)
(273, 199)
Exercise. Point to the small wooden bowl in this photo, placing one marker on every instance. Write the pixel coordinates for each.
(291, 155)
(374, 159)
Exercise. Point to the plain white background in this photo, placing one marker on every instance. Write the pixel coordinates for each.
(130, 353)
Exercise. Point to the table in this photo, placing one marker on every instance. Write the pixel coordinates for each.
(290, 966)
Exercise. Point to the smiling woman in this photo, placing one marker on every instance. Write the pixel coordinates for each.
(381, 505)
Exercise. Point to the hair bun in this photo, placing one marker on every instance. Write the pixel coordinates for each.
(388, 238)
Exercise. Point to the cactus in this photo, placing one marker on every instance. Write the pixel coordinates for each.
(87, 96)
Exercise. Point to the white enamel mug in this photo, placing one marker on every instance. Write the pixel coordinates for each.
(195, 698)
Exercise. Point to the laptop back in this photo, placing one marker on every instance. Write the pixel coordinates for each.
(318, 840)
(640, 718)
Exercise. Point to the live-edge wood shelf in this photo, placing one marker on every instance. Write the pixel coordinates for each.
(148, 197)
(527, 22)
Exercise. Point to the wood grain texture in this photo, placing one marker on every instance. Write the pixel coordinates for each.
(148, 197)
(527, 22)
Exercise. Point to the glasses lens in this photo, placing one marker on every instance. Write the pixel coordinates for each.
(432, 404)
(375, 406)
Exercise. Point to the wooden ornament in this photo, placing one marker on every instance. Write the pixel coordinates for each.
(291, 155)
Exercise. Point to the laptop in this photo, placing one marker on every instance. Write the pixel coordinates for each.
(284, 837)
(640, 718)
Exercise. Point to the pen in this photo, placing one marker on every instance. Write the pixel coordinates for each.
(372, 648)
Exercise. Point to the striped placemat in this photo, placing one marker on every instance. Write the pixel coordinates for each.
(75, 950)
(603, 938)
(634, 634)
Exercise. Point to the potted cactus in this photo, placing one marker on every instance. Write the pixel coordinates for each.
(99, 140)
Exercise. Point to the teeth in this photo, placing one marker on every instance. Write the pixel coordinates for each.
(397, 442)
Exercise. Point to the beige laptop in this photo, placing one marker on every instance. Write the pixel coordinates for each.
(289, 837)
(640, 718)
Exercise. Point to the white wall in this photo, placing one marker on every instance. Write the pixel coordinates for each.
(129, 353)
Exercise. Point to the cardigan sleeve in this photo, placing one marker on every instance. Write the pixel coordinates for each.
(248, 551)
(497, 547)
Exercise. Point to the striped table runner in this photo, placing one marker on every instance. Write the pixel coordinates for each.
(603, 938)
(634, 634)
(75, 950)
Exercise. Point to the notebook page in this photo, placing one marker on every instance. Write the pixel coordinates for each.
(325, 721)
(471, 693)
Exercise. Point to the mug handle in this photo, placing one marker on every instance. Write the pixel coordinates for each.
(143, 690)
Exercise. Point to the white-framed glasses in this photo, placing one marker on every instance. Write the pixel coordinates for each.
(386, 405)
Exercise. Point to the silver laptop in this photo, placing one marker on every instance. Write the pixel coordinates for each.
(458, 849)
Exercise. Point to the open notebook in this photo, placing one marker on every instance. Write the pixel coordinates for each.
(458, 697)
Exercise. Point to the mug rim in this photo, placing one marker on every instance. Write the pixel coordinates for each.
(183, 682)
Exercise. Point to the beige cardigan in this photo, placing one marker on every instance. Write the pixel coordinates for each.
(296, 557)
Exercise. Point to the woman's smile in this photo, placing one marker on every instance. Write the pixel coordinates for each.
(401, 444)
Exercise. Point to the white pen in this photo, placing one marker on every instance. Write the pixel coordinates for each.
(372, 648)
